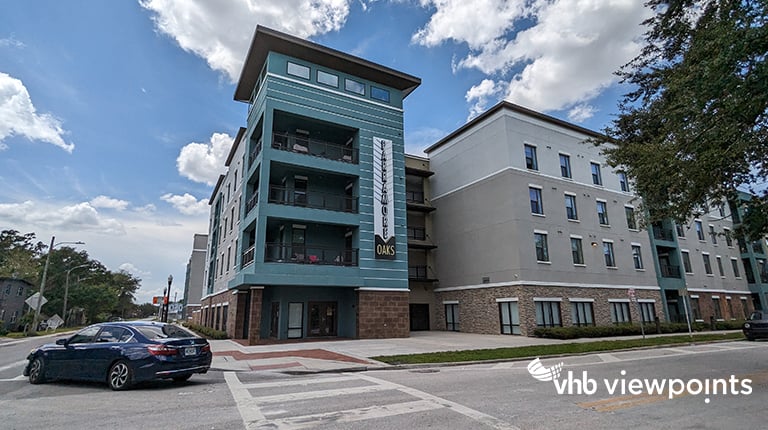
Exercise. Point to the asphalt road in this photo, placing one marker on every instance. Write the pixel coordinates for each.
(484, 396)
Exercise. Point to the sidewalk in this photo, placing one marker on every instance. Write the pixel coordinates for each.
(354, 355)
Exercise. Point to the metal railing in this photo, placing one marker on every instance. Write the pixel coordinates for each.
(669, 271)
(418, 272)
(248, 256)
(312, 199)
(254, 153)
(662, 234)
(251, 203)
(417, 233)
(318, 148)
(414, 197)
(307, 254)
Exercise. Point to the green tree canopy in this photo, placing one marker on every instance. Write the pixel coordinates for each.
(20, 255)
(693, 130)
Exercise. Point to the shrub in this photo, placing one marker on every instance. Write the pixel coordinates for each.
(3, 331)
(207, 332)
(614, 330)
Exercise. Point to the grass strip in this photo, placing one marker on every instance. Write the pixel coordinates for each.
(545, 350)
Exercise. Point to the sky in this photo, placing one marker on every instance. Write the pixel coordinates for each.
(116, 117)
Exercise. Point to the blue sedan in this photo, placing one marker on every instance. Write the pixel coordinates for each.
(122, 354)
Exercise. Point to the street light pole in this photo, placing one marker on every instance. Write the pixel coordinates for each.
(66, 292)
(42, 283)
(166, 298)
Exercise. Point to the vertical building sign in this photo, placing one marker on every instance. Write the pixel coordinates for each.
(383, 199)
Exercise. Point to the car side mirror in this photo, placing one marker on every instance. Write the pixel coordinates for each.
(62, 341)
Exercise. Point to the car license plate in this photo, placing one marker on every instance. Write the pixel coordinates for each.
(190, 350)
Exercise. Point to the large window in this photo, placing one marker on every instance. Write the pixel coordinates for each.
(620, 312)
(570, 207)
(565, 166)
(582, 313)
(735, 267)
(699, 230)
(542, 251)
(623, 182)
(610, 259)
(530, 158)
(629, 211)
(509, 317)
(647, 311)
(576, 251)
(597, 178)
(602, 213)
(354, 86)
(548, 313)
(329, 79)
(298, 70)
(637, 256)
(716, 307)
(686, 261)
(452, 316)
(707, 264)
(537, 203)
(695, 308)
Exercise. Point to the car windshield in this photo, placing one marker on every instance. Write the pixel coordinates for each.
(164, 331)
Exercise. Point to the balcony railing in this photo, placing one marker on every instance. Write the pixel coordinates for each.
(669, 271)
(414, 197)
(318, 148)
(254, 153)
(417, 233)
(306, 254)
(419, 273)
(662, 234)
(312, 199)
(251, 203)
(247, 259)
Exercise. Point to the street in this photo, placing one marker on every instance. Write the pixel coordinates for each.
(492, 395)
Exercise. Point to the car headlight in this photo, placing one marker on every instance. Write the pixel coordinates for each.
(746, 325)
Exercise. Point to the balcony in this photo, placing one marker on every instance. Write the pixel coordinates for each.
(312, 199)
(663, 234)
(417, 233)
(304, 145)
(415, 200)
(254, 153)
(251, 203)
(669, 271)
(247, 259)
(305, 254)
(419, 273)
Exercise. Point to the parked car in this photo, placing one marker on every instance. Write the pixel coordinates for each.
(121, 354)
(756, 325)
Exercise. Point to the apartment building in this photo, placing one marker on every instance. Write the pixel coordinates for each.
(195, 276)
(308, 230)
(13, 292)
(534, 229)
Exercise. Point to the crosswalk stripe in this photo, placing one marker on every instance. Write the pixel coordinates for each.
(291, 397)
(352, 415)
(305, 381)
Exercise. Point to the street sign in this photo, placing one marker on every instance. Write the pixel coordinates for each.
(33, 299)
(54, 322)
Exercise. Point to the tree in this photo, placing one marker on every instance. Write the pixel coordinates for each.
(20, 255)
(694, 128)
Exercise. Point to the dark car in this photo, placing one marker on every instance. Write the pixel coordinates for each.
(122, 353)
(756, 325)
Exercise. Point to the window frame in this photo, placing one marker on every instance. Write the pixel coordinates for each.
(685, 255)
(298, 67)
(349, 86)
(375, 90)
(637, 256)
(707, 263)
(326, 74)
(572, 212)
(537, 199)
(609, 254)
(514, 328)
(597, 177)
(532, 159)
(542, 247)
(602, 215)
(548, 310)
(582, 309)
(629, 212)
(620, 313)
(578, 253)
(565, 166)
(623, 181)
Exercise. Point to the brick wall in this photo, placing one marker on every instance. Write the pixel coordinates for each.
(382, 314)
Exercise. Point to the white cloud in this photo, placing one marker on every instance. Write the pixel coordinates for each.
(418, 140)
(564, 59)
(18, 116)
(221, 32)
(581, 112)
(11, 42)
(109, 203)
(204, 162)
(133, 270)
(68, 218)
(187, 204)
(481, 94)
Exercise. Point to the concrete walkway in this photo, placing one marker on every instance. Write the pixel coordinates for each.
(355, 355)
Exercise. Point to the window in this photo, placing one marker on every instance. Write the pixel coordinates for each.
(680, 230)
(695, 308)
(548, 314)
(699, 230)
(542, 252)
(576, 251)
(729, 305)
(610, 260)
(565, 166)
(509, 317)
(707, 264)
(647, 311)
(298, 70)
(637, 256)
(530, 158)
(326, 78)
(744, 308)
(629, 211)
(735, 266)
(582, 314)
(537, 204)
(597, 179)
(452, 316)
(379, 94)
(720, 265)
(20, 291)
(716, 308)
(570, 207)
(623, 182)
(85, 335)
(686, 262)
(114, 334)
(354, 86)
(602, 213)
(728, 238)
(712, 235)
(620, 312)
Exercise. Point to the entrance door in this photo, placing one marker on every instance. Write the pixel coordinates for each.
(274, 319)
(419, 313)
(322, 318)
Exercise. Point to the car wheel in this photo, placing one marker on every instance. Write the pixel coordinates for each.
(37, 371)
(181, 378)
(120, 376)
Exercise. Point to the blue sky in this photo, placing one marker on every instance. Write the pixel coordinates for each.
(116, 117)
